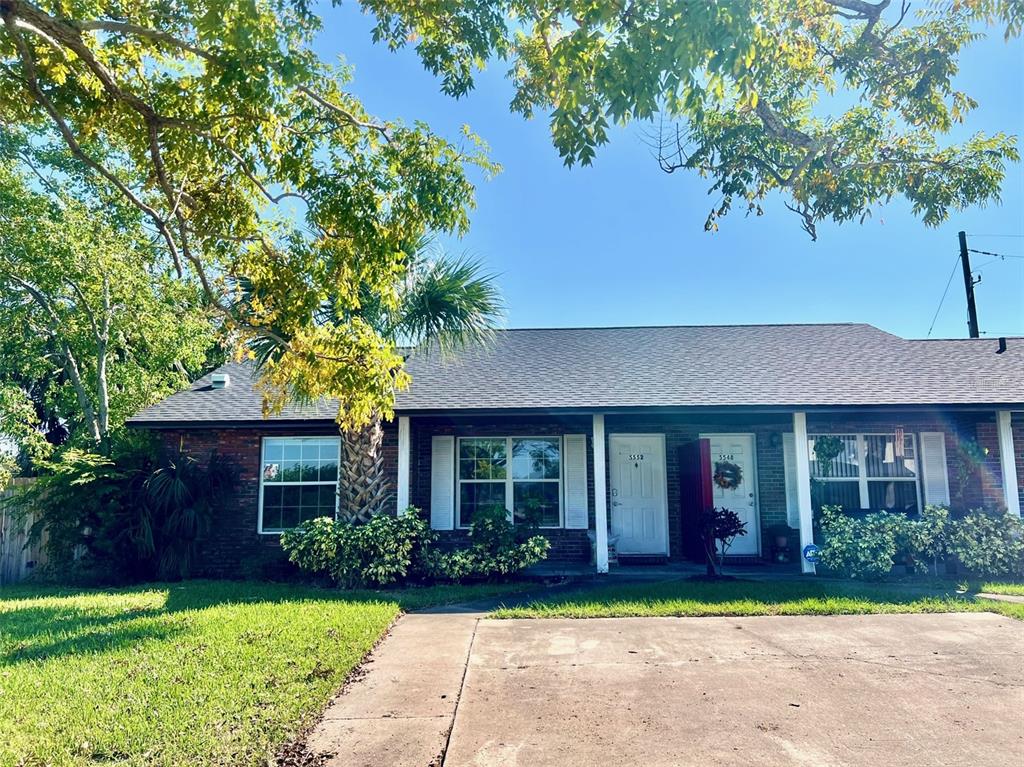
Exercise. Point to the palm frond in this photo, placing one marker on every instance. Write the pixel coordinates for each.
(447, 303)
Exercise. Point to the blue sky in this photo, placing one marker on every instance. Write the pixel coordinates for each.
(622, 243)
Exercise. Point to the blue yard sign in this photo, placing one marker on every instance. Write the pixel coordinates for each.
(812, 553)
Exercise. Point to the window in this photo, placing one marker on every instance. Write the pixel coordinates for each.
(298, 481)
(522, 474)
(866, 471)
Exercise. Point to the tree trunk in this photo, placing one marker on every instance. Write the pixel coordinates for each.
(363, 486)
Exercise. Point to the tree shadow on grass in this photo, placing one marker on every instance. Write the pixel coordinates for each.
(37, 633)
(34, 632)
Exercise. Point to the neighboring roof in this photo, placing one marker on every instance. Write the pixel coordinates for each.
(681, 366)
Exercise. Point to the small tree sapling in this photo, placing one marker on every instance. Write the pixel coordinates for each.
(719, 528)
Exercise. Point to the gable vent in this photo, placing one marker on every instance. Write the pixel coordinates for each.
(220, 381)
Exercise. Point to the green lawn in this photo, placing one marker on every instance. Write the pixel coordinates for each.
(740, 598)
(198, 673)
(1011, 589)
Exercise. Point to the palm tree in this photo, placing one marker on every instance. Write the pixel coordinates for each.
(444, 303)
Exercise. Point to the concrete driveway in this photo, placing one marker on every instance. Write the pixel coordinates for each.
(847, 690)
(844, 690)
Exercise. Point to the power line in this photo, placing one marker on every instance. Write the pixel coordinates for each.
(997, 255)
(1017, 236)
(944, 292)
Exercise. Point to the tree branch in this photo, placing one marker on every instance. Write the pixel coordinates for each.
(126, 28)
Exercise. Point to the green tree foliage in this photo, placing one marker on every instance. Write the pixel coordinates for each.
(251, 164)
(94, 328)
(441, 303)
(839, 105)
(133, 514)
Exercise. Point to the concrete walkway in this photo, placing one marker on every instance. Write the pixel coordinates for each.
(447, 689)
(399, 712)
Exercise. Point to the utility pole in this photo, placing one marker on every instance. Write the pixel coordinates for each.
(969, 283)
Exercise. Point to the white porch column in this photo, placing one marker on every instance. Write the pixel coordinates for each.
(403, 464)
(600, 495)
(803, 487)
(1007, 461)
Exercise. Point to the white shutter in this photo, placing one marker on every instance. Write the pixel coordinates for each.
(792, 491)
(935, 481)
(574, 462)
(442, 482)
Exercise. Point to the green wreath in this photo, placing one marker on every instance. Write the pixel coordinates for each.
(728, 475)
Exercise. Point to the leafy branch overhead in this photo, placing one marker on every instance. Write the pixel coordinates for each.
(839, 105)
(250, 163)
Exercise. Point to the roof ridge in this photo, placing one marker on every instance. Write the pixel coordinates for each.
(724, 325)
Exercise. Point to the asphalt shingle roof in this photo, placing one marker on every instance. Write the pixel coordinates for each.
(681, 366)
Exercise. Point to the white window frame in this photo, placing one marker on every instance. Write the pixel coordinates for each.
(263, 461)
(509, 482)
(862, 479)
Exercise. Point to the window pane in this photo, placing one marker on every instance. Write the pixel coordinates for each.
(290, 495)
(308, 468)
(889, 457)
(478, 495)
(309, 496)
(327, 498)
(845, 494)
(272, 497)
(292, 450)
(272, 472)
(290, 471)
(482, 458)
(536, 503)
(535, 458)
(893, 496)
(272, 519)
(272, 451)
(329, 471)
(291, 516)
(844, 464)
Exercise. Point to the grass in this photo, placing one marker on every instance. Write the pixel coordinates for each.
(1010, 589)
(744, 598)
(199, 673)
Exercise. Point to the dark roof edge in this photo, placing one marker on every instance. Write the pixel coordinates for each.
(752, 409)
(289, 423)
(554, 411)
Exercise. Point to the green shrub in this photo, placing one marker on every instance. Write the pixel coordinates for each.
(925, 539)
(129, 514)
(988, 543)
(497, 549)
(381, 552)
(860, 547)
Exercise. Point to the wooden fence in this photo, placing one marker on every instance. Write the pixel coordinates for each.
(18, 558)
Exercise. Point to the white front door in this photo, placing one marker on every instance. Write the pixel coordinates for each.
(729, 451)
(639, 494)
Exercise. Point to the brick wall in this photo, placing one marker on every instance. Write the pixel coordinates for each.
(233, 547)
